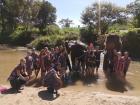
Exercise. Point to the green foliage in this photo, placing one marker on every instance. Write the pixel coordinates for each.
(41, 42)
(117, 28)
(46, 15)
(26, 13)
(88, 35)
(71, 37)
(134, 9)
(51, 30)
(65, 23)
(131, 43)
(110, 14)
(21, 37)
(71, 33)
(55, 39)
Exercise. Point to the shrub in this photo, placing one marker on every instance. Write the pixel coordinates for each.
(72, 36)
(48, 41)
(131, 42)
(88, 35)
(51, 30)
(20, 37)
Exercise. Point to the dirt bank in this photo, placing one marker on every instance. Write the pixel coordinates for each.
(38, 96)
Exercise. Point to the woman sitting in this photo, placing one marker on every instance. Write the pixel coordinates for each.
(18, 77)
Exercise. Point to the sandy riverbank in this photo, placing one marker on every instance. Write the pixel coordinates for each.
(38, 96)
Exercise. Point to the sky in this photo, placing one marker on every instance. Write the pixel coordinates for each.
(72, 9)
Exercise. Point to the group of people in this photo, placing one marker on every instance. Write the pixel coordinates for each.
(56, 66)
(52, 64)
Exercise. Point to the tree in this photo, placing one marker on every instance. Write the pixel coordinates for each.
(9, 11)
(65, 22)
(46, 15)
(134, 9)
(14, 12)
(110, 14)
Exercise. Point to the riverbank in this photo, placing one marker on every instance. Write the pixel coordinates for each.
(38, 96)
(7, 47)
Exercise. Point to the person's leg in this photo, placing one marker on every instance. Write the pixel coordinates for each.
(36, 70)
(97, 67)
(93, 69)
(125, 71)
(13, 84)
(88, 71)
(73, 61)
(97, 70)
(50, 90)
(21, 83)
(36, 73)
(69, 65)
(43, 72)
(83, 68)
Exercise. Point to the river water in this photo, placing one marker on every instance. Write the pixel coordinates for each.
(10, 58)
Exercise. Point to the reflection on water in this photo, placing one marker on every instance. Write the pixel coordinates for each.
(10, 58)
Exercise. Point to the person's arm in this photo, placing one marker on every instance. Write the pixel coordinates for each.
(19, 74)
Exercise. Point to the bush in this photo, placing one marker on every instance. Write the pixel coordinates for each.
(51, 30)
(48, 41)
(131, 42)
(52, 40)
(21, 37)
(55, 37)
(72, 36)
(88, 35)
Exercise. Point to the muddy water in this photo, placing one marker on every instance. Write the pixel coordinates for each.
(9, 59)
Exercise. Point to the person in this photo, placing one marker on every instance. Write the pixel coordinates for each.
(127, 62)
(18, 76)
(87, 64)
(52, 81)
(41, 61)
(68, 60)
(45, 59)
(97, 57)
(91, 63)
(55, 56)
(67, 47)
(29, 64)
(63, 61)
(120, 66)
(36, 65)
